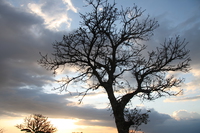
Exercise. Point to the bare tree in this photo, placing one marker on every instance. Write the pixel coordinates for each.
(106, 48)
(37, 123)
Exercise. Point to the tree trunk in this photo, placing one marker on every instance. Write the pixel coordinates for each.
(121, 124)
(118, 111)
(122, 129)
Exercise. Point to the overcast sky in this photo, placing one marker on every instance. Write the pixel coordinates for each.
(28, 27)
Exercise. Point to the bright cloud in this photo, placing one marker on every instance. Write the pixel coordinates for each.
(55, 17)
(70, 5)
(185, 115)
(191, 88)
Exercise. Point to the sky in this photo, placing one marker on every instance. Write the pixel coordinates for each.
(31, 26)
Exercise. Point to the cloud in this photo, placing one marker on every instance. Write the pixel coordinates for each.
(183, 99)
(34, 100)
(20, 48)
(70, 5)
(165, 123)
(185, 115)
(23, 81)
(188, 29)
(190, 87)
(103, 123)
(54, 14)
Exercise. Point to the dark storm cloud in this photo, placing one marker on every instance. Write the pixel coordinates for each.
(22, 37)
(30, 101)
(16, 19)
(22, 80)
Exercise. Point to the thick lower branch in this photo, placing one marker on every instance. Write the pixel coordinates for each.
(126, 98)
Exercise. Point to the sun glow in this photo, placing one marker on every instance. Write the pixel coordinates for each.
(64, 125)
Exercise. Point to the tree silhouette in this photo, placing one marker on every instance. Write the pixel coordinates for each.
(106, 48)
(37, 123)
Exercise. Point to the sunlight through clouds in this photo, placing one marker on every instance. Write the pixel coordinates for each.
(70, 5)
(191, 89)
(64, 124)
(55, 17)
